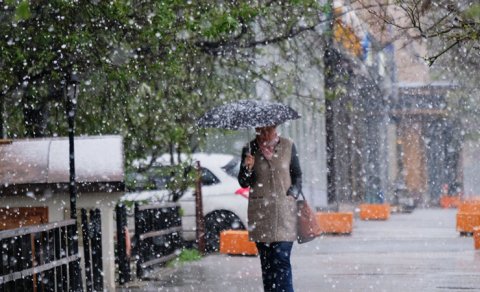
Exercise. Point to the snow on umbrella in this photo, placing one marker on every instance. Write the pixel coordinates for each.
(246, 114)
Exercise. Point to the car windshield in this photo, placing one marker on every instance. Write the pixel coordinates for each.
(155, 178)
(158, 178)
(232, 167)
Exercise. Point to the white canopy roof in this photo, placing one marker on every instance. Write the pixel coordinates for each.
(46, 160)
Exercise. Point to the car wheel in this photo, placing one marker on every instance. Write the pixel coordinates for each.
(215, 223)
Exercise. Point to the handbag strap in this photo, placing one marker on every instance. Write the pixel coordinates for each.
(302, 195)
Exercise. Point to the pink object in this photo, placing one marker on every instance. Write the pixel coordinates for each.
(244, 192)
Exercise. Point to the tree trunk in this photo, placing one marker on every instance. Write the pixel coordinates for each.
(329, 68)
(2, 120)
(35, 117)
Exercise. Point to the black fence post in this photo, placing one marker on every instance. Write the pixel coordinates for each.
(177, 221)
(86, 250)
(64, 251)
(26, 259)
(37, 246)
(122, 258)
(97, 264)
(161, 221)
(150, 249)
(10, 262)
(50, 256)
(74, 272)
(41, 258)
(58, 255)
(139, 229)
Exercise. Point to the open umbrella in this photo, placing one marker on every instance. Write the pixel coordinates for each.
(246, 114)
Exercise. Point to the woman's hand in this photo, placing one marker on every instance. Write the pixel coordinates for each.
(249, 161)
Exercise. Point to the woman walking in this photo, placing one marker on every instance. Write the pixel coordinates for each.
(270, 167)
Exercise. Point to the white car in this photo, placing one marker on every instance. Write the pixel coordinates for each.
(224, 201)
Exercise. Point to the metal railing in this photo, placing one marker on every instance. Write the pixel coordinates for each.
(40, 258)
(157, 237)
(157, 233)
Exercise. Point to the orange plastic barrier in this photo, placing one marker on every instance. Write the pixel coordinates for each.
(469, 206)
(476, 237)
(450, 201)
(236, 242)
(374, 211)
(467, 221)
(468, 216)
(335, 222)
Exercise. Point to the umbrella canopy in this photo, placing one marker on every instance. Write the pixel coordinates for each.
(245, 114)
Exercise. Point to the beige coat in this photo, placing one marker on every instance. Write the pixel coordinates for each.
(271, 213)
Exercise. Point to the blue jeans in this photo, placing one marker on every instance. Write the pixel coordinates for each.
(276, 268)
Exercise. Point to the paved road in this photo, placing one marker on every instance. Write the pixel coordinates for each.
(420, 251)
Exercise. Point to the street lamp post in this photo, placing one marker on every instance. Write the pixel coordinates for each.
(70, 91)
(71, 95)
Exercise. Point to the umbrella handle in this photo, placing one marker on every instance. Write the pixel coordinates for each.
(249, 146)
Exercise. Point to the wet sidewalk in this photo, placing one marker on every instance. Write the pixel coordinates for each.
(420, 251)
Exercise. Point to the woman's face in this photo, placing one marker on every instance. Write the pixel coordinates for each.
(266, 133)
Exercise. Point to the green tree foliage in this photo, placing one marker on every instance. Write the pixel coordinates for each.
(147, 68)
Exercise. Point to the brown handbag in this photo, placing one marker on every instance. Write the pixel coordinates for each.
(307, 226)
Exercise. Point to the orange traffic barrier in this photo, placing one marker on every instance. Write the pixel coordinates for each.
(335, 222)
(467, 221)
(236, 242)
(468, 216)
(476, 237)
(469, 206)
(450, 201)
(374, 211)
